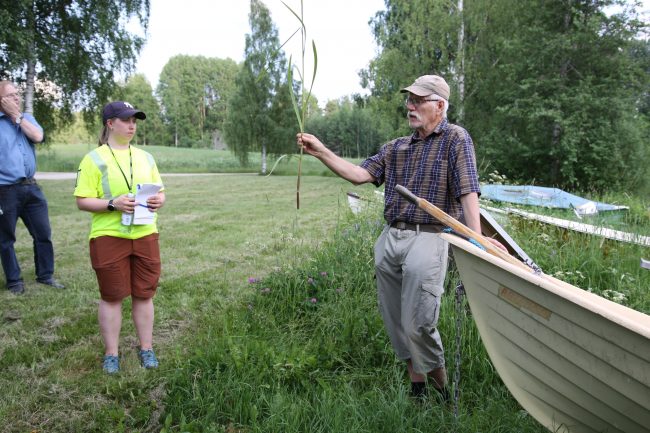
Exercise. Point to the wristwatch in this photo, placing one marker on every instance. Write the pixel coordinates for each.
(19, 119)
(111, 206)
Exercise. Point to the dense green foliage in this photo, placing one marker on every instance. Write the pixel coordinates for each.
(569, 115)
(349, 129)
(260, 114)
(68, 54)
(554, 91)
(195, 91)
(139, 93)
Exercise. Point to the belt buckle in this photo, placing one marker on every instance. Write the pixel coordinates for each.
(400, 225)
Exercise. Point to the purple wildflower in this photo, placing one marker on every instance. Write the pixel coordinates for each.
(323, 274)
(252, 280)
(313, 300)
(310, 280)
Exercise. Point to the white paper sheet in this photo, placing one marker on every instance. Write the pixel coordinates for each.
(142, 214)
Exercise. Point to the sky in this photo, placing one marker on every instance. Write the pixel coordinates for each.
(217, 28)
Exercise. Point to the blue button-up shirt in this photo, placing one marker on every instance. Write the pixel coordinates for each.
(17, 152)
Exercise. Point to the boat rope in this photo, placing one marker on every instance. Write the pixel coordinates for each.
(532, 265)
(467, 238)
(460, 292)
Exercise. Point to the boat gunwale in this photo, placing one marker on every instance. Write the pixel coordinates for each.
(626, 317)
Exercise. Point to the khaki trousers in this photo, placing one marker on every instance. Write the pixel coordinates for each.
(410, 268)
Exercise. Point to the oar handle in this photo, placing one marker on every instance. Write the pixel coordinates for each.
(404, 192)
(457, 226)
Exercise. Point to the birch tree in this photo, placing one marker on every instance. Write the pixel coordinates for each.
(68, 53)
(251, 123)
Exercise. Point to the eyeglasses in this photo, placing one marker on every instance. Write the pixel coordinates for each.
(419, 101)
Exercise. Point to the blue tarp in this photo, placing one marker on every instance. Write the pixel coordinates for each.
(543, 196)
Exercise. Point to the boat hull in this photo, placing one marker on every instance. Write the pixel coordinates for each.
(575, 361)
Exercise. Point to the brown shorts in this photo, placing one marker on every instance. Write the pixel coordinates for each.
(126, 266)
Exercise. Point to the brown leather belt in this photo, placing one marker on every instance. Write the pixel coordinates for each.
(429, 228)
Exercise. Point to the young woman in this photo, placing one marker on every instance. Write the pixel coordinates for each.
(125, 256)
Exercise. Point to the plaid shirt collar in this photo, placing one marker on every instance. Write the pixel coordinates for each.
(439, 129)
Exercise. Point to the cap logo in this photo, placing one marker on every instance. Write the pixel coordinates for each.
(128, 105)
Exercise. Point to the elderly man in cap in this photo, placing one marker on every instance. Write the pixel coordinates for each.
(20, 196)
(436, 162)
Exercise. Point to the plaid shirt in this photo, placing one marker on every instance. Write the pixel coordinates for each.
(440, 169)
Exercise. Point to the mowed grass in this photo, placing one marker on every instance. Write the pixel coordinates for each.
(216, 231)
(66, 158)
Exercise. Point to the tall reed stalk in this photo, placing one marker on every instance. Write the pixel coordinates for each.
(301, 111)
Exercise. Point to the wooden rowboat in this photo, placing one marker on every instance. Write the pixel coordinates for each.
(575, 361)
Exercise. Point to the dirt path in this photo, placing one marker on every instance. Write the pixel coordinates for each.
(50, 175)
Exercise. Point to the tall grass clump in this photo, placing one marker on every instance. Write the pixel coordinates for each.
(307, 351)
(300, 107)
(605, 267)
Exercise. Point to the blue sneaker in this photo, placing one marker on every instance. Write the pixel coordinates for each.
(148, 359)
(111, 364)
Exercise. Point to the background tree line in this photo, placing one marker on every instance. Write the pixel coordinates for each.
(554, 92)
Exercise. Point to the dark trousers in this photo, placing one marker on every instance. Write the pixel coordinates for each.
(27, 202)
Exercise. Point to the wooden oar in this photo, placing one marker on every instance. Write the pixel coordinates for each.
(457, 226)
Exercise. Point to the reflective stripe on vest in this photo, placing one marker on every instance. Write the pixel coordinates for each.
(103, 169)
(101, 165)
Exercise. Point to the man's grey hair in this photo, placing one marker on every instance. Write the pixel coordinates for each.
(5, 83)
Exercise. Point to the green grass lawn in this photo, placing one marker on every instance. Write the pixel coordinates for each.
(66, 158)
(216, 232)
(246, 357)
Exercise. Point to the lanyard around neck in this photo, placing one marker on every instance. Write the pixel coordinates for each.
(120, 167)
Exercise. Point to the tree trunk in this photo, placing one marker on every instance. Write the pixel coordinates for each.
(263, 158)
(201, 118)
(29, 87)
(357, 137)
(461, 64)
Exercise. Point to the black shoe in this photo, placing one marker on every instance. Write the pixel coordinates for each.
(418, 390)
(52, 282)
(17, 288)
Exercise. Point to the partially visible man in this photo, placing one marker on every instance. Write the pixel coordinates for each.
(437, 163)
(20, 196)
